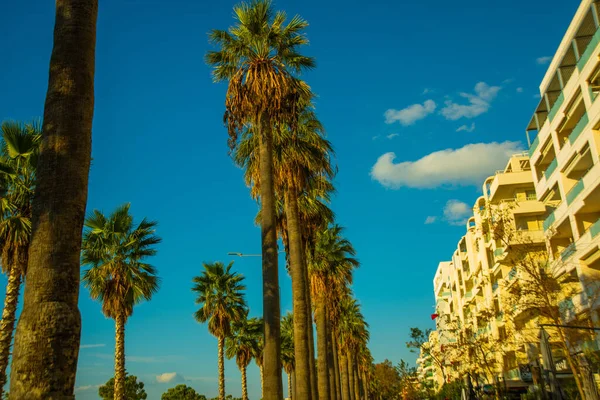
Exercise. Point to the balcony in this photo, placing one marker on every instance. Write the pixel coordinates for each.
(499, 252)
(595, 229)
(575, 191)
(512, 274)
(556, 106)
(495, 286)
(513, 374)
(502, 186)
(551, 168)
(549, 221)
(588, 51)
(568, 252)
(579, 128)
(469, 294)
(534, 145)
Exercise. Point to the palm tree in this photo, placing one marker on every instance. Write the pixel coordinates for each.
(49, 328)
(18, 160)
(257, 57)
(241, 345)
(287, 350)
(331, 267)
(257, 353)
(301, 156)
(353, 333)
(221, 298)
(116, 250)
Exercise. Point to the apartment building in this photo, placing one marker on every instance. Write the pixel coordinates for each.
(565, 154)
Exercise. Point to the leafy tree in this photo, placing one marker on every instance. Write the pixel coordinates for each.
(19, 153)
(287, 348)
(134, 390)
(119, 277)
(182, 392)
(420, 342)
(221, 298)
(259, 57)
(388, 380)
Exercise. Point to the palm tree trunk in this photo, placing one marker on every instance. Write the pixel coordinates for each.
(47, 338)
(299, 295)
(7, 325)
(323, 369)
(344, 376)
(330, 364)
(356, 379)
(120, 357)
(336, 366)
(294, 384)
(221, 368)
(350, 359)
(244, 384)
(273, 386)
(365, 386)
(289, 379)
(311, 346)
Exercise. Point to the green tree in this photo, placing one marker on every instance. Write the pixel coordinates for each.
(182, 392)
(220, 294)
(287, 349)
(116, 250)
(241, 344)
(388, 381)
(49, 327)
(18, 160)
(133, 389)
(258, 57)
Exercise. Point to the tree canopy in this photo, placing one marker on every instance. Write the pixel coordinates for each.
(182, 392)
(134, 390)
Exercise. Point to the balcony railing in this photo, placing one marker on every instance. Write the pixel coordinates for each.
(559, 101)
(595, 229)
(588, 51)
(575, 191)
(579, 128)
(512, 273)
(551, 168)
(499, 252)
(534, 145)
(549, 221)
(469, 294)
(495, 286)
(568, 252)
(499, 316)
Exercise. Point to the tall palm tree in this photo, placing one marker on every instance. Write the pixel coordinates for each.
(119, 277)
(353, 332)
(221, 298)
(18, 161)
(331, 267)
(241, 344)
(47, 338)
(287, 350)
(258, 57)
(301, 156)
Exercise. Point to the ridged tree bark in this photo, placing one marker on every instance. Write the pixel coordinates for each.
(299, 296)
(261, 381)
(294, 385)
(244, 384)
(47, 338)
(272, 384)
(7, 325)
(356, 378)
(289, 382)
(323, 368)
(311, 346)
(330, 365)
(350, 362)
(365, 385)
(221, 368)
(336, 365)
(119, 392)
(343, 361)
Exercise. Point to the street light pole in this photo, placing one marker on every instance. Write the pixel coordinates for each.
(238, 254)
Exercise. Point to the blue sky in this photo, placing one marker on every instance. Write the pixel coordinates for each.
(403, 77)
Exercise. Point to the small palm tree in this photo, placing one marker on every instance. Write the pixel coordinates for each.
(221, 298)
(241, 345)
(119, 277)
(287, 349)
(257, 353)
(18, 161)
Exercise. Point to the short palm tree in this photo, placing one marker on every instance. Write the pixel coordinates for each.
(287, 349)
(119, 277)
(220, 294)
(257, 353)
(258, 57)
(18, 161)
(241, 344)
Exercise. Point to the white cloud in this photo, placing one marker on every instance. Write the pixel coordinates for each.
(430, 219)
(86, 387)
(457, 212)
(427, 91)
(466, 128)
(411, 114)
(543, 60)
(391, 136)
(169, 377)
(375, 137)
(519, 90)
(468, 165)
(479, 103)
(91, 346)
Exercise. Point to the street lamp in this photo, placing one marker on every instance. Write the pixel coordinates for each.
(238, 254)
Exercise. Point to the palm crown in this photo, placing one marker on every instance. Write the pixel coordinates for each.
(243, 341)
(116, 250)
